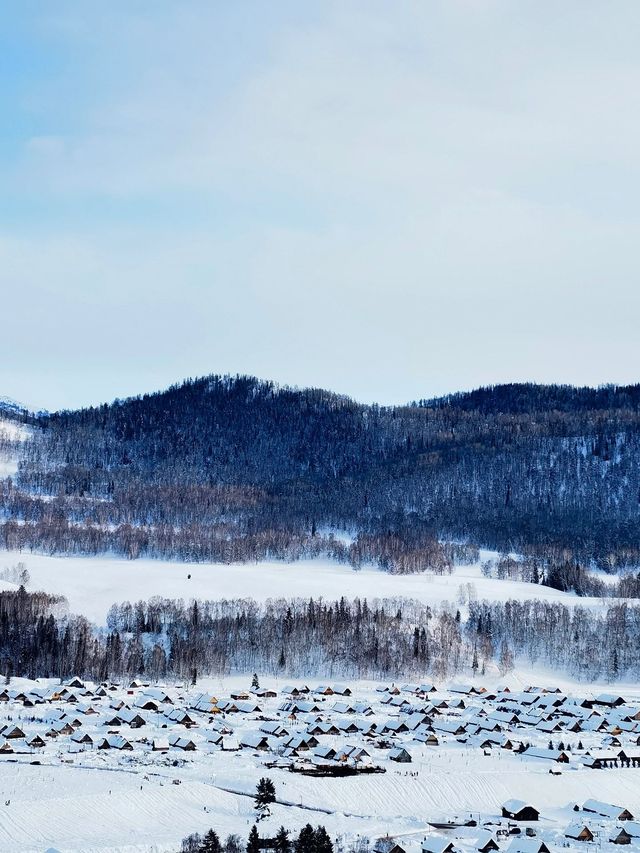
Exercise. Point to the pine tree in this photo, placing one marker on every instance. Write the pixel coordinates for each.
(305, 842)
(253, 844)
(322, 841)
(255, 684)
(282, 843)
(211, 843)
(614, 663)
(265, 794)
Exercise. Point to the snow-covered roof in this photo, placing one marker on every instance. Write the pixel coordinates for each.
(602, 808)
(436, 844)
(515, 806)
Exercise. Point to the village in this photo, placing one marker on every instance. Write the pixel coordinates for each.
(324, 745)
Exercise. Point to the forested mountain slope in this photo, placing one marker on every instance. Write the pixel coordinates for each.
(236, 468)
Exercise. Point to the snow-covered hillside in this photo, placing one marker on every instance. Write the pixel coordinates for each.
(13, 433)
(93, 584)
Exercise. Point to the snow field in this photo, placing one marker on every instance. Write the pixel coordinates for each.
(93, 584)
(112, 802)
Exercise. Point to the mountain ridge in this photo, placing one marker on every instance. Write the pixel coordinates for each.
(215, 460)
(589, 396)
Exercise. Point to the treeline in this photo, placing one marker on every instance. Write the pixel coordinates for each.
(37, 638)
(297, 637)
(161, 638)
(308, 840)
(53, 526)
(390, 639)
(545, 470)
(587, 644)
(564, 575)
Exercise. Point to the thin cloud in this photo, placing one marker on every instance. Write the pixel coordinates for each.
(392, 202)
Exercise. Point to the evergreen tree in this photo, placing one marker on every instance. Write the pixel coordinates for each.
(474, 662)
(210, 843)
(305, 842)
(614, 663)
(322, 841)
(253, 844)
(255, 684)
(283, 845)
(265, 794)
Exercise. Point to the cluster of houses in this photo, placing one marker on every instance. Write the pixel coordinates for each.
(318, 728)
(338, 730)
(517, 830)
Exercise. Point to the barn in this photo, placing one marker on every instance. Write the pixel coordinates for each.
(519, 810)
(606, 810)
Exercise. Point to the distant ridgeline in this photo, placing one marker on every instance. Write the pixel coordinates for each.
(238, 469)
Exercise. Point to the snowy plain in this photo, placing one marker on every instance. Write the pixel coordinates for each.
(107, 802)
(93, 584)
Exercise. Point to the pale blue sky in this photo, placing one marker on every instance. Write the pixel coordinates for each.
(392, 200)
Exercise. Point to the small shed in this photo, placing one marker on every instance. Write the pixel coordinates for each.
(578, 832)
(485, 843)
(400, 754)
(619, 835)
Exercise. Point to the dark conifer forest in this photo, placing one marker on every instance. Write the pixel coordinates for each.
(231, 469)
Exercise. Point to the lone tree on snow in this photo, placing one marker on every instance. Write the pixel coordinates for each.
(265, 794)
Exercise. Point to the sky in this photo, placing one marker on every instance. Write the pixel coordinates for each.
(390, 200)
